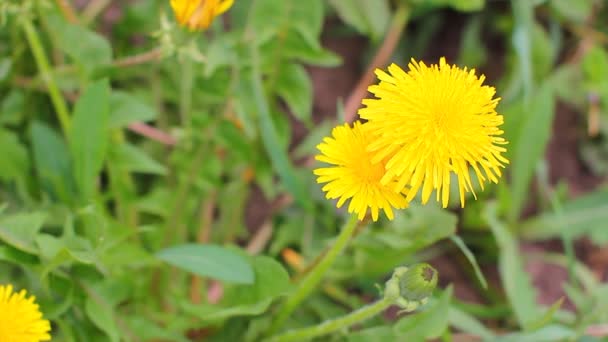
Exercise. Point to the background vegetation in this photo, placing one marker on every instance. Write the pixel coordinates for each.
(156, 183)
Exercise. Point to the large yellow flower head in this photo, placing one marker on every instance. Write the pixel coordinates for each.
(199, 14)
(20, 318)
(352, 175)
(431, 121)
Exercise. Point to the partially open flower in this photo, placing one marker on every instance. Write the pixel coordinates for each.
(199, 14)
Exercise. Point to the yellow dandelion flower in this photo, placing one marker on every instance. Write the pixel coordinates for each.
(353, 175)
(199, 14)
(20, 318)
(431, 121)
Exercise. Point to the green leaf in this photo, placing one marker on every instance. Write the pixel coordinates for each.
(88, 136)
(463, 321)
(64, 249)
(14, 163)
(5, 68)
(472, 51)
(148, 330)
(467, 5)
(461, 5)
(53, 165)
(87, 48)
(16, 256)
(375, 334)
(529, 146)
(549, 333)
(594, 64)
(126, 109)
(368, 17)
(523, 13)
(209, 261)
(270, 138)
(271, 283)
(102, 315)
(574, 11)
(471, 257)
(132, 159)
(230, 136)
(429, 323)
(220, 53)
(295, 87)
(56, 252)
(378, 251)
(19, 230)
(546, 317)
(587, 214)
(292, 28)
(521, 294)
(12, 108)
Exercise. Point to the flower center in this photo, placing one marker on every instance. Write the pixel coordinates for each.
(368, 172)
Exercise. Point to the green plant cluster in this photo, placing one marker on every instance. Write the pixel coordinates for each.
(131, 150)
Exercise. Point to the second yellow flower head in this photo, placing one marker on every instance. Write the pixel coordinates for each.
(199, 14)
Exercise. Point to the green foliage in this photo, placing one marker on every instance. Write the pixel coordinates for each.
(177, 202)
(209, 261)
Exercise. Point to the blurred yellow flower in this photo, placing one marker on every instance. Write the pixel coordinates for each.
(353, 175)
(199, 14)
(20, 318)
(431, 121)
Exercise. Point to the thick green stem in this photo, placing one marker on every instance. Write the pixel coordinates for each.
(316, 274)
(330, 326)
(44, 68)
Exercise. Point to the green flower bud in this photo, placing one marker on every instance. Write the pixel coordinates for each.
(410, 287)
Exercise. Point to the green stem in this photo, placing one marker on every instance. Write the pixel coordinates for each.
(42, 62)
(313, 278)
(327, 327)
(185, 99)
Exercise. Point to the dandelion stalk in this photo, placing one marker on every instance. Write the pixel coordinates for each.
(313, 278)
(408, 288)
(42, 62)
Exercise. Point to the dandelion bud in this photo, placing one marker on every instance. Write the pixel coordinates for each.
(410, 287)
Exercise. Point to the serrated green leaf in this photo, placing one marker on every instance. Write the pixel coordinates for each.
(126, 109)
(14, 163)
(19, 230)
(270, 138)
(295, 87)
(87, 48)
(88, 136)
(52, 161)
(209, 261)
(132, 159)
(102, 315)
(368, 17)
(271, 283)
(12, 108)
